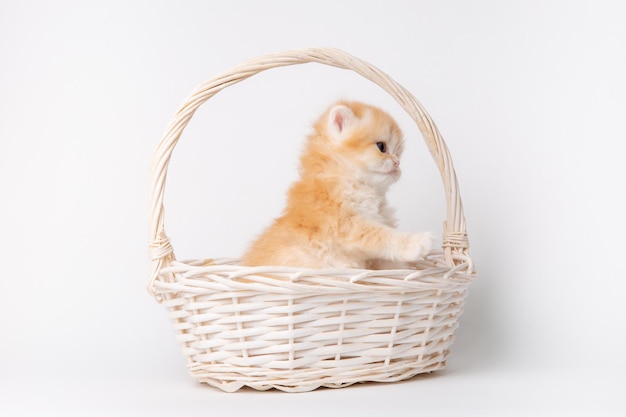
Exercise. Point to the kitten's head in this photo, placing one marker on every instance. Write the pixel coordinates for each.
(359, 139)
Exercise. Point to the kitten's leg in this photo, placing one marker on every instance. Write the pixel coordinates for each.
(382, 242)
(419, 242)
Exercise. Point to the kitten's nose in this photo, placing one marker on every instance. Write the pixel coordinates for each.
(396, 162)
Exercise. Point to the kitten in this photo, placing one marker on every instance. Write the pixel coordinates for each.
(337, 214)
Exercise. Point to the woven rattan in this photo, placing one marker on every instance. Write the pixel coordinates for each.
(299, 329)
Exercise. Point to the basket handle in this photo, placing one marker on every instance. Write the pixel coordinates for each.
(454, 233)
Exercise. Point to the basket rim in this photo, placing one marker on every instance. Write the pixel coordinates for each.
(455, 242)
(198, 276)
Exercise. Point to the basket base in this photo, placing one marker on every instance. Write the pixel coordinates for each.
(231, 379)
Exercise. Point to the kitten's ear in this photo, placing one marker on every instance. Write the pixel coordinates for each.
(340, 119)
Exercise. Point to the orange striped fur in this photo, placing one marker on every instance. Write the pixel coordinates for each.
(337, 214)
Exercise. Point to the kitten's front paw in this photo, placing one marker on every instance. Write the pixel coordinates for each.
(418, 246)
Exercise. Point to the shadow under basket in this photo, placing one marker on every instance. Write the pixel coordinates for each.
(298, 329)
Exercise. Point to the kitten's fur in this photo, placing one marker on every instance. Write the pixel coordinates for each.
(337, 214)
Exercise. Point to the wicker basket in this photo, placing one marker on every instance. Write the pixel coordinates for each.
(298, 329)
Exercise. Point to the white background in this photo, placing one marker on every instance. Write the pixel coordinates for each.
(529, 95)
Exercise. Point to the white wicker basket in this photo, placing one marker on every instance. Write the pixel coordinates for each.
(296, 329)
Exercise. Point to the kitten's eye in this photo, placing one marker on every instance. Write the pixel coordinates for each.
(382, 146)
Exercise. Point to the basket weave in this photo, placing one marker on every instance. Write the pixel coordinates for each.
(297, 329)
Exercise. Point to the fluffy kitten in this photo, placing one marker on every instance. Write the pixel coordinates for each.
(337, 214)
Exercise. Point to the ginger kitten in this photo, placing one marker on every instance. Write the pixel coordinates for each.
(337, 214)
